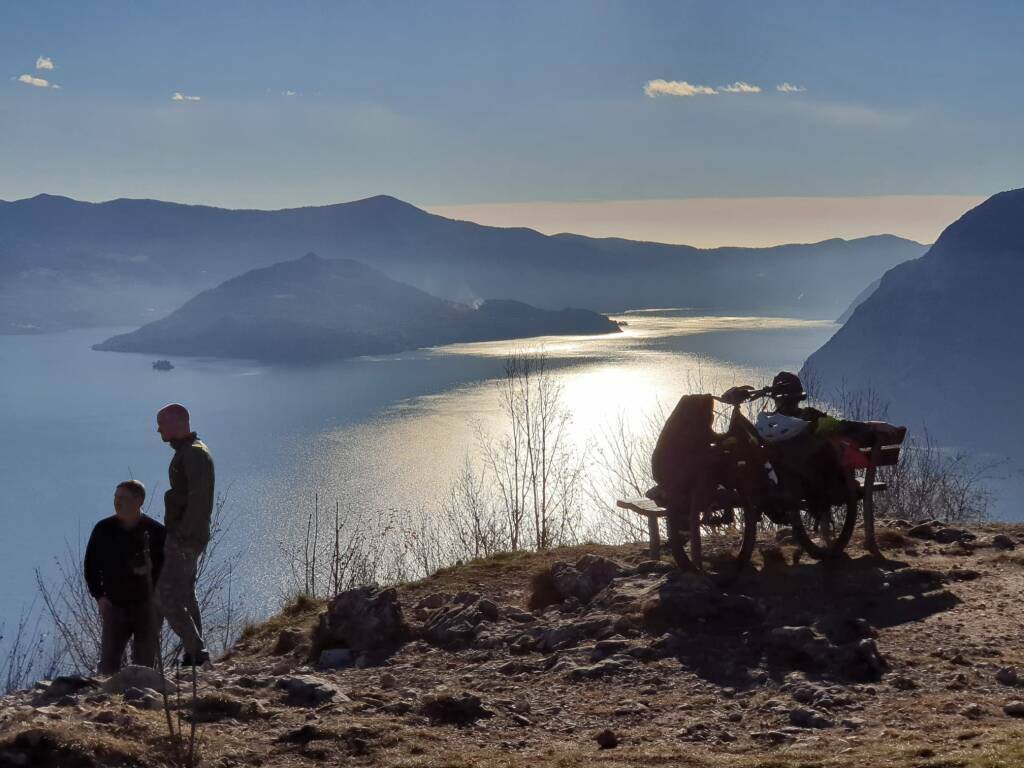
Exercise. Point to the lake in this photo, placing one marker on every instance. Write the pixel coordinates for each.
(369, 433)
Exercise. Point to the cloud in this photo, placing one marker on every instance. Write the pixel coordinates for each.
(179, 96)
(789, 88)
(289, 93)
(44, 62)
(36, 82)
(661, 87)
(740, 87)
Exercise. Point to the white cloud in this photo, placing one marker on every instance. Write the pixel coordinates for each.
(179, 96)
(44, 62)
(789, 88)
(740, 87)
(37, 82)
(289, 93)
(661, 87)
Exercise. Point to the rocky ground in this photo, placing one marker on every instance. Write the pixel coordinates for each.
(598, 655)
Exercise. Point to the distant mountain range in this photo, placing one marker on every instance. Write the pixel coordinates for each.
(313, 309)
(65, 263)
(941, 336)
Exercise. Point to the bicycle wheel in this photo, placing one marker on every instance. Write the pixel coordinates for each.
(723, 543)
(824, 530)
(729, 537)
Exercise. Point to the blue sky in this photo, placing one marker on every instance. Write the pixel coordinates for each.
(454, 103)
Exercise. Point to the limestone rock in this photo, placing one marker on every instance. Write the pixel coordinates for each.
(364, 620)
(134, 676)
(586, 578)
(454, 708)
(1014, 709)
(1002, 541)
(308, 690)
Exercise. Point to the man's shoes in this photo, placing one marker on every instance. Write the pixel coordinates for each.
(202, 659)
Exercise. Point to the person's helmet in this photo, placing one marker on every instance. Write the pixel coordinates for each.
(776, 427)
(788, 385)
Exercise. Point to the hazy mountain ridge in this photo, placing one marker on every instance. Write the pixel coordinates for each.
(320, 309)
(940, 337)
(126, 261)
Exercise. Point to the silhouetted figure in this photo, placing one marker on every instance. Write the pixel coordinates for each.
(120, 574)
(188, 511)
(788, 393)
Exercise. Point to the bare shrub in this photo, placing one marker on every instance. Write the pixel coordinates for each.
(930, 481)
(27, 652)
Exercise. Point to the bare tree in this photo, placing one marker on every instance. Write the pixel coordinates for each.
(534, 467)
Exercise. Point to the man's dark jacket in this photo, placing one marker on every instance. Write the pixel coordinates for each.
(188, 505)
(115, 552)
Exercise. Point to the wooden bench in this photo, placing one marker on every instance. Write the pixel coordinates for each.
(653, 512)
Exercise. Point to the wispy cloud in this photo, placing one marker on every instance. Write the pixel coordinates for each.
(44, 62)
(789, 88)
(740, 87)
(289, 93)
(661, 87)
(179, 96)
(36, 82)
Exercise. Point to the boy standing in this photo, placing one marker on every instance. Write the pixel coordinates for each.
(120, 574)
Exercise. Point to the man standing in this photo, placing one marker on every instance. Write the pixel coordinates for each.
(188, 506)
(122, 562)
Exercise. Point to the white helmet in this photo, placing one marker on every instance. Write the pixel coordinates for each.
(776, 427)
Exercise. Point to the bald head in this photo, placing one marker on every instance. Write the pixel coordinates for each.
(172, 422)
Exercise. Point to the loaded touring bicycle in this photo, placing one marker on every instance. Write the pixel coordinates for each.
(717, 489)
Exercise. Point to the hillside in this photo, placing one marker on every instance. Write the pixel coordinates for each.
(596, 656)
(940, 336)
(320, 309)
(65, 263)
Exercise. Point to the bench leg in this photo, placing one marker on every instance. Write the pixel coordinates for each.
(696, 506)
(652, 528)
(870, 542)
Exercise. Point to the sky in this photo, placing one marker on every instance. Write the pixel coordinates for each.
(640, 118)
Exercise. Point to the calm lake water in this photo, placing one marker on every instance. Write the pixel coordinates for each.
(387, 432)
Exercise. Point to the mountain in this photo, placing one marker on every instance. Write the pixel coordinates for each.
(320, 309)
(941, 336)
(861, 298)
(65, 263)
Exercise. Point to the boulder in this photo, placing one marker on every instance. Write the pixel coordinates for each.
(805, 648)
(366, 620)
(805, 717)
(681, 598)
(1002, 541)
(59, 687)
(336, 658)
(952, 535)
(800, 646)
(454, 708)
(1014, 709)
(1008, 676)
(309, 691)
(459, 620)
(925, 530)
(288, 640)
(134, 676)
(586, 578)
